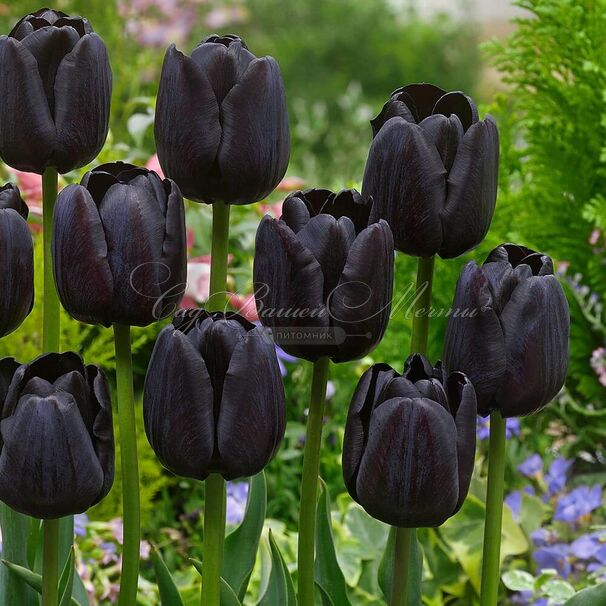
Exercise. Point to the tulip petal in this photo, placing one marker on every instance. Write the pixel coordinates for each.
(408, 473)
(187, 148)
(536, 325)
(27, 131)
(372, 383)
(398, 105)
(252, 418)
(474, 342)
(349, 203)
(80, 257)
(8, 366)
(295, 213)
(255, 147)
(458, 104)
(178, 406)
(289, 286)
(425, 97)
(445, 133)
(42, 486)
(10, 197)
(472, 190)
(406, 178)
(361, 302)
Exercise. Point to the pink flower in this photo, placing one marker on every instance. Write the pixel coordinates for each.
(290, 184)
(30, 185)
(198, 281)
(594, 237)
(275, 210)
(154, 164)
(245, 306)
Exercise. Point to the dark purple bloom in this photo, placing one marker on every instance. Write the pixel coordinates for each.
(57, 440)
(432, 171)
(578, 503)
(221, 122)
(119, 253)
(323, 276)
(213, 399)
(56, 88)
(531, 466)
(409, 443)
(509, 331)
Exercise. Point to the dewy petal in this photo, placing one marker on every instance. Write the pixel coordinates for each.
(255, 147)
(361, 302)
(289, 286)
(458, 104)
(178, 406)
(187, 127)
(252, 417)
(474, 342)
(27, 131)
(408, 473)
(82, 92)
(372, 383)
(80, 257)
(472, 190)
(406, 178)
(43, 486)
(536, 325)
(17, 275)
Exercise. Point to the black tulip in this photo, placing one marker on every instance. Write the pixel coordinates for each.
(221, 122)
(56, 436)
(409, 443)
(213, 399)
(56, 84)
(323, 276)
(119, 250)
(17, 254)
(508, 331)
(432, 171)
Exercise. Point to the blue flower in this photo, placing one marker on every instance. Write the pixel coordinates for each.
(512, 428)
(553, 556)
(237, 496)
(80, 523)
(514, 500)
(531, 466)
(284, 357)
(578, 503)
(557, 475)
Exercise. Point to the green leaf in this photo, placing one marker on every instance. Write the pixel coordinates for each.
(328, 574)
(592, 596)
(558, 590)
(66, 582)
(415, 579)
(277, 590)
(33, 579)
(228, 597)
(518, 580)
(169, 594)
(241, 545)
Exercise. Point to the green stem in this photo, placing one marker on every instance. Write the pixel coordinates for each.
(130, 469)
(491, 557)
(418, 344)
(214, 536)
(218, 258)
(309, 483)
(50, 566)
(51, 317)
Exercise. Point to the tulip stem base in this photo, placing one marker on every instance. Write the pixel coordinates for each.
(218, 258)
(50, 565)
(309, 484)
(399, 587)
(491, 557)
(130, 467)
(51, 312)
(214, 536)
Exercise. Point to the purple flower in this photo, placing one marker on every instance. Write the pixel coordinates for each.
(80, 523)
(283, 357)
(237, 496)
(553, 556)
(531, 466)
(514, 501)
(580, 502)
(586, 546)
(512, 428)
(557, 475)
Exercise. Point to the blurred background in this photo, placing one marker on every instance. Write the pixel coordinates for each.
(539, 68)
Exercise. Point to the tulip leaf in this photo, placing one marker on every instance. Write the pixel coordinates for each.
(592, 596)
(33, 579)
(228, 597)
(66, 582)
(241, 545)
(328, 575)
(169, 594)
(415, 568)
(280, 589)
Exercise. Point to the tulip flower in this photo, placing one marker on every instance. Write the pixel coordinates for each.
(56, 87)
(509, 331)
(221, 122)
(213, 399)
(119, 246)
(57, 442)
(432, 171)
(323, 276)
(17, 253)
(409, 443)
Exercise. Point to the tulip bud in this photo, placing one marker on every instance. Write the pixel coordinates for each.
(221, 122)
(57, 440)
(56, 87)
(432, 171)
(119, 253)
(508, 331)
(323, 276)
(409, 443)
(17, 254)
(213, 399)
